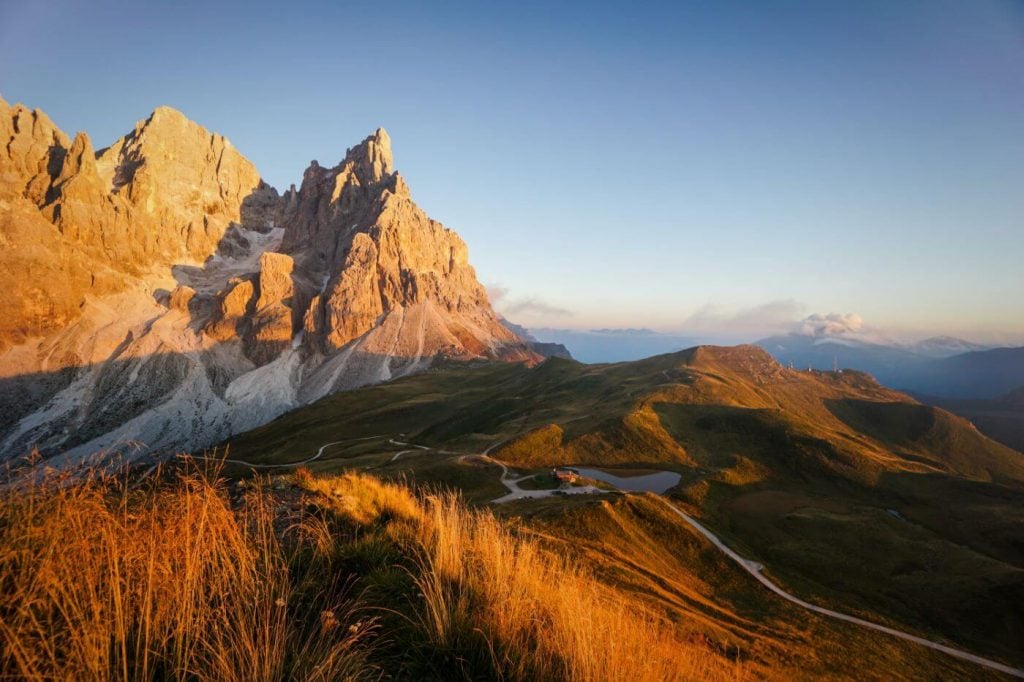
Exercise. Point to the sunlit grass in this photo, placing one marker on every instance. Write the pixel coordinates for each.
(531, 614)
(105, 578)
(106, 581)
(542, 616)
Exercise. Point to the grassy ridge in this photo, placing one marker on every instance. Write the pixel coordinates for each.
(330, 578)
(854, 495)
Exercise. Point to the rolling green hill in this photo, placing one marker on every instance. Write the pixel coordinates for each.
(852, 495)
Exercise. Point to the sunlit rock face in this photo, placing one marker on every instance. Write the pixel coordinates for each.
(161, 296)
(78, 224)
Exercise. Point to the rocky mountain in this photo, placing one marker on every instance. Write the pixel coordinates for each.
(161, 295)
(77, 224)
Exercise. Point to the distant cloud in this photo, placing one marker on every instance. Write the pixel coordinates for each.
(535, 306)
(831, 324)
(496, 293)
(849, 326)
(762, 320)
(532, 306)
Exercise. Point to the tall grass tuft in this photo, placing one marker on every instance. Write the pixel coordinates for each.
(539, 615)
(498, 605)
(101, 579)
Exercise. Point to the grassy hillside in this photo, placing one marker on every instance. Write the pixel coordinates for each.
(342, 577)
(1001, 419)
(853, 495)
(636, 543)
(309, 578)
(564, 412)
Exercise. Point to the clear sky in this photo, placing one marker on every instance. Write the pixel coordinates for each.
(703, 167)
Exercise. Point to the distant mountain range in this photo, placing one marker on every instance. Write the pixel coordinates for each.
(547, 349)
(1001, 418)
(945, 346)
(944, 367)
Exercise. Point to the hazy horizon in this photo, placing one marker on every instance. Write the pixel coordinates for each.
(717, 171)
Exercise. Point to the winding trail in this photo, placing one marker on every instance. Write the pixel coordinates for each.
(754, 569)
(751, 567)
(410, 445)
(288, 464)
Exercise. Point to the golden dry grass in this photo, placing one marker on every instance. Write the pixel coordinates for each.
(106, 581)
(361, 499)
(531, 613)
(543, 616)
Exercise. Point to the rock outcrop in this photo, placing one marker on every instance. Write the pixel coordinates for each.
(161, 293)
(163, 194)
(356, 227)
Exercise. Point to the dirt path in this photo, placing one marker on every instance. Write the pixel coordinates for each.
(754, 569)
(288, 464)
(399, 454)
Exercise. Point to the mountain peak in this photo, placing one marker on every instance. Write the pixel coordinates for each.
(169, 125)
(166, 112)
(372, 157)
(342, 283)
(166, 121)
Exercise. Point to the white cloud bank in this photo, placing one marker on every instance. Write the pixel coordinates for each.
(831, 324)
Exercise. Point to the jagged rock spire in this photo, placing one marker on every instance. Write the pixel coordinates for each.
(185, 293)
(371, 158)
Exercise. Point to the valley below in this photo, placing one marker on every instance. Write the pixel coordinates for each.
(657, 482)
(814, 478)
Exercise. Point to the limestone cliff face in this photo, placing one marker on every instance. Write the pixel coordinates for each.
(33, 154)
(378, 254)
(163, 194)
(160, 293)
(181, 187)
(42, 274)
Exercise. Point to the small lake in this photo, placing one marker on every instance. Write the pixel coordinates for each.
(656, 482)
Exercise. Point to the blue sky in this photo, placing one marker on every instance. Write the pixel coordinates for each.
(704, 168)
